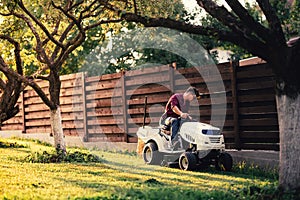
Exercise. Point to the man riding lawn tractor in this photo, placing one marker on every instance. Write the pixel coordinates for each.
(179, 140)
(176, 112)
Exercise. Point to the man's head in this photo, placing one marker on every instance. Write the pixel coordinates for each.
(191, 93)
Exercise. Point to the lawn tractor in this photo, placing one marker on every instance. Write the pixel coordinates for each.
(198, 145)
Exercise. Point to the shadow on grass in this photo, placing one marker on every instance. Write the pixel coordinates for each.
(123, 181)
(206, 174)
(149, 189)
(128, 178)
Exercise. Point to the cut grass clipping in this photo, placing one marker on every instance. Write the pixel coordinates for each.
(56, 157)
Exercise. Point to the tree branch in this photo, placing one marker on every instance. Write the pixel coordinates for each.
(61, 39)
(76, 42)
(2, 84)
(223, 15)
(249, 21)
(273, 21)
(75, 5)
(169, 23)
(251, 44)
(17, 51)
(45, 30)
(246, 38)
(102, 22)
(6, 115)
(41, 54)
(45, 78)
(54, 32)
(11, 92)
(70, 16)
(88, 8)
(135, 7)
(29, 82)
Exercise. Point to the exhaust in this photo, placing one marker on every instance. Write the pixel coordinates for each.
(145, 110)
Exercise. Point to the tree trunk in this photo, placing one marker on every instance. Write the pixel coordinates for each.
(289, 126)
(57, 130)
(55, 116)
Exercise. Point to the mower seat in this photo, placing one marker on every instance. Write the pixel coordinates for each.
(166, 127)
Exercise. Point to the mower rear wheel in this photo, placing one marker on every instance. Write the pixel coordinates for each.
(187, 161)
(151, 155)
(224, 162)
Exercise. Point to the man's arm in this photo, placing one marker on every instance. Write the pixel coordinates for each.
(176, 110)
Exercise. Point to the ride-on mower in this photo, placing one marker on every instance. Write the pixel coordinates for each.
(198, 145)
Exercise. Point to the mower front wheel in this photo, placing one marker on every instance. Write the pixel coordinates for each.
(187, 161)
(224, 162)
(151, 155)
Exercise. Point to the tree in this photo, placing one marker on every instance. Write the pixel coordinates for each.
(10, 88)
(58, 28)
(269, 42)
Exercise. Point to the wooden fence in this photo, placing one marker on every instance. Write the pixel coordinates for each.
(110, 107)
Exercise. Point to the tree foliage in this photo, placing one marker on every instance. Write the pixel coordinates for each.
(209, 42)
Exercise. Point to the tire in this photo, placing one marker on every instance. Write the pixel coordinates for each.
(151, 155)
(187, 161)
(224, 162)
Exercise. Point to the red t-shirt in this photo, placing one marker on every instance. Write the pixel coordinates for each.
(176, 100)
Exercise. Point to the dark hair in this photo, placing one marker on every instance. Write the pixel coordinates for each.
(193, 90)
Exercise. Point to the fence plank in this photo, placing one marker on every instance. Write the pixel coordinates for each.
(124, 107)
(258, 110)
(23, 113)
(235, 106)
(84, 109)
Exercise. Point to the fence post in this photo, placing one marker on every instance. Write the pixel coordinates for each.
(172, 67)
(84, 112)
(23, 112)
(124, 106)
(235, 104)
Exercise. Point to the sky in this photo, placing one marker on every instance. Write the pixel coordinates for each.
(190, 6)
(192, 3)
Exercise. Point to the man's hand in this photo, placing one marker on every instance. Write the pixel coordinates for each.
(184, 115)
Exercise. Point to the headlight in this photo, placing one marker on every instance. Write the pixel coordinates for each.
(210, 132)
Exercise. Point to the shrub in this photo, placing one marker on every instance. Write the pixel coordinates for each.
(11, 145)
(47, 144)
(255, 171)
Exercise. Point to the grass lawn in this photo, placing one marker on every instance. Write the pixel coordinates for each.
(119, 175)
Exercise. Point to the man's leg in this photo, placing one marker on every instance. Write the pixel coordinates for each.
(175, 127)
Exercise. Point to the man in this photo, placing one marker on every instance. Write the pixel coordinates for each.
(177, 108)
